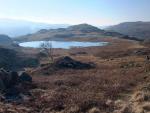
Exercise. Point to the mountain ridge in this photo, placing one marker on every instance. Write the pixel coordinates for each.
(71, 32)
(138, 29)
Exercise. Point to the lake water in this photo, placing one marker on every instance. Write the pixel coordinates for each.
(63, 44)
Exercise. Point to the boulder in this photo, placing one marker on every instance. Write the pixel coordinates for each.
(2, 86)
(14, 78)
(8, 79)
(12, 85)
(5, 78)
(12, 92)
(25, 77)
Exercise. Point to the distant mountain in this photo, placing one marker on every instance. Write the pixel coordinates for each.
(141, 30)
(15, 28)
(72, 32)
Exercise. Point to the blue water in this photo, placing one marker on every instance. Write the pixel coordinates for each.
(63, 44)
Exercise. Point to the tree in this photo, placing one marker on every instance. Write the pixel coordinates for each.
(48, 49)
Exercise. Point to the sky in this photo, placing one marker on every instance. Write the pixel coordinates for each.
(95, 12)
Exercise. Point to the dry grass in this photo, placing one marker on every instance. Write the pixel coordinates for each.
(82, 90)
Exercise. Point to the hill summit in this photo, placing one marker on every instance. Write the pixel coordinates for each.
(84, 28)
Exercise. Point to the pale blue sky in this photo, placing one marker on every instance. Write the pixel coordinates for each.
(96, 12)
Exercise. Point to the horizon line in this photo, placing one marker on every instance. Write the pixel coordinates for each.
(46, 22)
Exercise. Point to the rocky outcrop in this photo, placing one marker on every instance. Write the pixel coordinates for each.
(13, 85)
(5, 78)
(63, 63)
(67, 62)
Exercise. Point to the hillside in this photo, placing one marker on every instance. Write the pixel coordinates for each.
(71, 33)
(140, 30)
(13, 60)
(5, 40)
